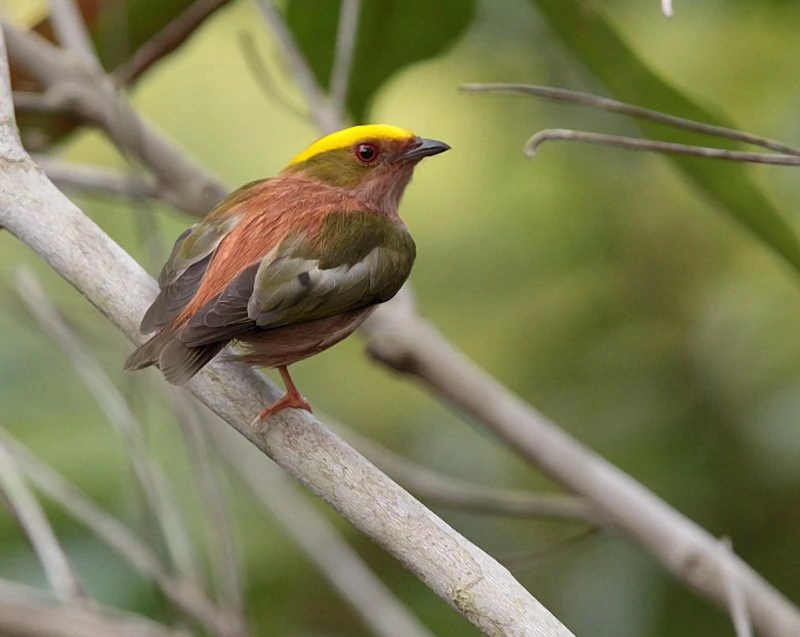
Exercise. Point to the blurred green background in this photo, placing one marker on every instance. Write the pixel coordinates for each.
(599, 285)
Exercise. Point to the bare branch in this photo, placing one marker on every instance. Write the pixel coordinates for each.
(29, 102)
(437, 488)
(119, 415)
(526, 560)
(220, 536)
(26, 612)
(324, 114)
(319, 539)
(70, 176)
(462, 574)
(38, 530)
(633, 143)
(167, 40)
(260, 73)
(400, 339)
(181, 182)
(736, 601)
(629, 110)
(72, 33)
(181, 593)
(346, 39)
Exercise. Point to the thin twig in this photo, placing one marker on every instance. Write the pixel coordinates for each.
(167, 40)
(71, 31)
(633, 143)
(346, 39)
(324, 115)
(630, 110)
(38, 530)
(28, 612)
(260, 73)
(183, 594)
(526, 560)
(94, 180)
(347, 573)
(149, 476)
(224, 561)
(437, 488)
(736, 600)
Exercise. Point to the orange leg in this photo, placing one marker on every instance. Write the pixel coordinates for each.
(292, 398)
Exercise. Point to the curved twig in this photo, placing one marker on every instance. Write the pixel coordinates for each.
(631, 110)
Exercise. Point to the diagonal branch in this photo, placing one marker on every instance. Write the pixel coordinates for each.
(181, 182)
(437, 488)
(167, 40)
(72, 33)
(383, 613)
(26, 612)
(467, 578)
(223, 557)
(181, 593)
(346, 38)
(40, 534)
(324, 114)
(147, 473)
(399, 338)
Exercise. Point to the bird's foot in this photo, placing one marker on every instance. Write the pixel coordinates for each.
(289, 400)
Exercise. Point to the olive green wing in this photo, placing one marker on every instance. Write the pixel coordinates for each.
(302, 281)
(187, 263)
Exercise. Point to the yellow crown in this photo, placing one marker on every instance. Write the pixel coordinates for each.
(348, 137)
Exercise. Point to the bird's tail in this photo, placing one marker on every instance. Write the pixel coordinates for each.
(178, 361)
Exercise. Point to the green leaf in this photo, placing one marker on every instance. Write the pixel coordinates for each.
(392, 34)
(593, 39)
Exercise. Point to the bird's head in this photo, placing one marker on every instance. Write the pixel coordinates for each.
(373, 162)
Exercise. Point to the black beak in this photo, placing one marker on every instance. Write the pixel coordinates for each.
(424, 148)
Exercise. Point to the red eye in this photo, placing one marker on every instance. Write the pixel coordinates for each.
(366, 152)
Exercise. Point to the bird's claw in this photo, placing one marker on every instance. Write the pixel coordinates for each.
(287, 401)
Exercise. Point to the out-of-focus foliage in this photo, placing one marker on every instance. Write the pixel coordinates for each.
(594, 282)
(117, 29)
(584, 28)
(392, 34)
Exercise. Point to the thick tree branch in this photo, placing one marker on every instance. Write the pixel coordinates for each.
(400, 339)
(347, 573)
(467, 578)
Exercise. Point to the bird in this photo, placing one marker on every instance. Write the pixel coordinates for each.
(288, 266)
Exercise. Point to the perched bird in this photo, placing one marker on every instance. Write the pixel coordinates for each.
(291, 265)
